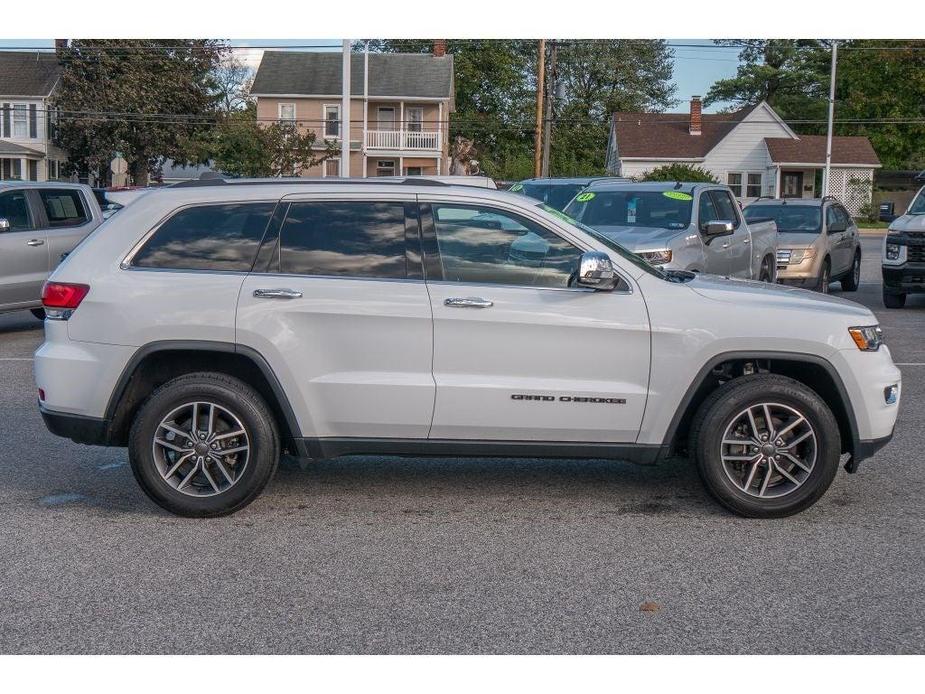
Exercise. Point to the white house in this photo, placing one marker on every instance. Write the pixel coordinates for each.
(752, 150)
(27, 81)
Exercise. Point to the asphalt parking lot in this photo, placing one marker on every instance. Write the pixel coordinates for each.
(390, 555)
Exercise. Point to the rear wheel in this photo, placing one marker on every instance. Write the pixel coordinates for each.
(204, 444)
(766, 446)
(825, 277)
(767, 270)
(852, 281)
(893, 300)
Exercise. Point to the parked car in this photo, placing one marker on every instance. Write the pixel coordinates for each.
(556, 192)
(111, 200)
(39, 224)
(680, 226)
(903, 261)
(819, 242)
(213, 326)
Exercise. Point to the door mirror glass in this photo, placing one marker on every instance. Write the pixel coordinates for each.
(718, 227)
(4, 224)
(595, 270)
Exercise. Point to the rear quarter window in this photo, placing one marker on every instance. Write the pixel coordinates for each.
(208, 237)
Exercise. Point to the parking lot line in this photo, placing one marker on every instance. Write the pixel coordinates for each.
(16, 359)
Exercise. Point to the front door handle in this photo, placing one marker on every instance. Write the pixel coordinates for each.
(277, 294)
(468, 302)
(35, 242)
(725, 244)
(747, 241)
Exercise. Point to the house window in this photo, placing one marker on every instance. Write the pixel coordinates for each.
(20, 121)
(385, 117)
(332, 120)
(744, 184)
(734, 181)
(415, 118)
(753, 188)
(331, 168)
(385, 167)
(287, 112)
(413, 171)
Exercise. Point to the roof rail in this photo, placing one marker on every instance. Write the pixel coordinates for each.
(210, 182)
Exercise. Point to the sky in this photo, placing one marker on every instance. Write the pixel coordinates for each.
(695, 67)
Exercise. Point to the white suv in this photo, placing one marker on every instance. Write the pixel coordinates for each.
(216, 324)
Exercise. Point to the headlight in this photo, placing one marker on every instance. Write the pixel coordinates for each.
(891, 230)
(656, 257)
(798, 255)
(868, 338)
(892, 251)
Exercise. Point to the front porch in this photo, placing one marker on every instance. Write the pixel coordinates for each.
(20, 163)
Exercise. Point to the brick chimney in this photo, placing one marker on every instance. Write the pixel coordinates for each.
(696, 116)
(439, 48)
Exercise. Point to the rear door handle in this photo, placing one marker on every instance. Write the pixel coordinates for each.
(35, 242)
(277, 294)
(468, 302)
(747, 241)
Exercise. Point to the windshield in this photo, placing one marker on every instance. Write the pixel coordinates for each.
(554, 195)
(918, 205)
(610, 243)
(798, 219)
(668, 209)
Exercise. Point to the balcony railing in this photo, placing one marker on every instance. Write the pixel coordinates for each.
(414, 140)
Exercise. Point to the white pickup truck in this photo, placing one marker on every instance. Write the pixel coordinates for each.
(681, 226)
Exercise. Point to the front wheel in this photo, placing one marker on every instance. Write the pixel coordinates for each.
(766, 446)
(204, 445)
(853, 280)
(893, 300)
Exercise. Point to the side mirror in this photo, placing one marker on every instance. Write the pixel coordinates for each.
(595, 270)
(718, 228)
(4, 224)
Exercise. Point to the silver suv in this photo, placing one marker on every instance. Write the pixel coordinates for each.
(210, 326)
(39, 224)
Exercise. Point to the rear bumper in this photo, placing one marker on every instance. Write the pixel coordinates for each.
(77, 428)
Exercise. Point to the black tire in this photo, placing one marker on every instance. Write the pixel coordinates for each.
(723, 406)
(38, 313)
(825, 277)
(893, 300)
(852, 280)
(229, 393)
(766, 274)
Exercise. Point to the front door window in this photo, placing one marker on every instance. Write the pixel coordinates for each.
(792, 184)
(415, 118)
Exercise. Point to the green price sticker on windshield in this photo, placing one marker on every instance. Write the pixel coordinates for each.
(675, 195)
(584, 197)
(516, 187)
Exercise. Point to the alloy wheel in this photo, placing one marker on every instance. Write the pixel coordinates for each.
(201, 449)
(768, 450)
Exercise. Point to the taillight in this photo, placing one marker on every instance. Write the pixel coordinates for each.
(61, 298)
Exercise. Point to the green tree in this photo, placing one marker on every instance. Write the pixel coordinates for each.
(241, 146)
(147, 99)
(679, 172)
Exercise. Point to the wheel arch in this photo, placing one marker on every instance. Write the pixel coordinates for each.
(159, 362)
(811, 370)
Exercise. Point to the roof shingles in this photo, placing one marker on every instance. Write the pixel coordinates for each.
(810, 149)
(302, 73)
(28, 73)
(667, 135)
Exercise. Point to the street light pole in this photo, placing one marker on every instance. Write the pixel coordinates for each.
(547, 125)
(828, 142)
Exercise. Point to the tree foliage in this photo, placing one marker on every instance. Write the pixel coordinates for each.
(241, 146)
(880, 85)
(679, 172)
(495, 97)
(147, 99)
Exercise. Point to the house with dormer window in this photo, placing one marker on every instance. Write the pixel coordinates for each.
(27, 82)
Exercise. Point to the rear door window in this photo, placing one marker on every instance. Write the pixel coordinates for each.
(208, 237)
(344, 239)
(64, 207)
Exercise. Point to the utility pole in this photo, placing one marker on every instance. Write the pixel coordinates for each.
(828, 141)
(540, 88)
(345, 114)
(547, 124)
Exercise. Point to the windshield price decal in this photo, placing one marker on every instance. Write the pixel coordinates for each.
(584, 197)
(675, 195)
